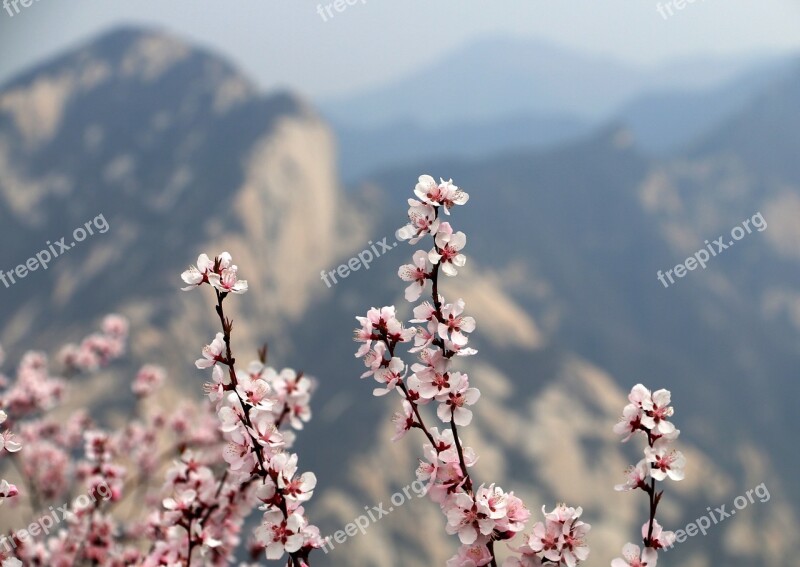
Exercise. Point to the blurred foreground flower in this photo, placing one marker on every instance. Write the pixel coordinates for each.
(172, 485)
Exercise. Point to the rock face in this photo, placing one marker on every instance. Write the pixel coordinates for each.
(177, 153)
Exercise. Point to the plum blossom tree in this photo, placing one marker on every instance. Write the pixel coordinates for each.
(175, 486)
(252, 406)
(483, 516)
(480, 516)
(125, 504)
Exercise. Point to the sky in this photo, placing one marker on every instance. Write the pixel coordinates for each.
(287, 43)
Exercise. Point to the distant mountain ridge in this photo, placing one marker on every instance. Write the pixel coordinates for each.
(502, 78)
(362, 152)
(532, 95)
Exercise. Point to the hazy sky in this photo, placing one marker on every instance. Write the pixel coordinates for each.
(287, 43)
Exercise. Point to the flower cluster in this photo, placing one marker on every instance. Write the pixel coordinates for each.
(251, 406)
(9, 444)
(560, 539)
(649, 414)
(480, 516)
(98, 349)
(35, 391)
(210, 510)
(189, 474)
(56, 458)
(221, 274)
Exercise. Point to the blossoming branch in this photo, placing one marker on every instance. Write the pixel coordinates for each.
(171, 486)
(252, 406)
(480, 516)
(648, 413)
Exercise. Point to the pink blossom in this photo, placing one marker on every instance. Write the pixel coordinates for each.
(453, 402)
(216, 388)
(298, 489)
(640, 396)
(517, 515)
(546, 538)
(148, 379)
(464, 519)
(636, 477)
(182, 502)
(265, 431)
(417, 273)
(631, 557)
(423, 221)
(474, 555)
(7, 490)
(227, 281)
(279, 535)
(255, 391)
(454, 324)
(448, 250)
(630, 423)
(657, 409)
(660, 539)
(381, 324)
(492, 501)
(115, 326)
(212, 353)
(562, 538)
(434, 379)
(403, 421)
(9, 443)
(443, 194)
(198, 275)
(390, 375)
(665, 461)
(374, 359)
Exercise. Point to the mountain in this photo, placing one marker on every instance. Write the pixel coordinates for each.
(181, 154)
(502, 78)
(363, 151)
(516, 95)
(670, 121)
(770, 117)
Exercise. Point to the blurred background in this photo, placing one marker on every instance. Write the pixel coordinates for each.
(599, 142)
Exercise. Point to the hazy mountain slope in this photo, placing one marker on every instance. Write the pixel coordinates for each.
(772, 118)
(669, 120)
(537, 100)
(363, 151)
(501, 78)
(180, 155)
